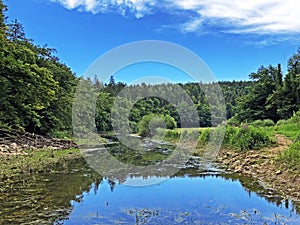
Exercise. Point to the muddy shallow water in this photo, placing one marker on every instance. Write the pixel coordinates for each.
(75, 194)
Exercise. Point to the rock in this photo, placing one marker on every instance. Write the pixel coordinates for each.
(278, 172)
(13, 146)
(238, 169)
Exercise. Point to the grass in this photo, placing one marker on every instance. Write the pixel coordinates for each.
(93, 140)
(290, 128)
(291, 157)
(243, 138)
(67, 135)
(174, 135)
(35, 161)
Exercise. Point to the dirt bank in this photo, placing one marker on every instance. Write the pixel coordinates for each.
(262, 165)
(14, 142)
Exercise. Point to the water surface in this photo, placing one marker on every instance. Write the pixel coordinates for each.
(199, 193)
(208, 199)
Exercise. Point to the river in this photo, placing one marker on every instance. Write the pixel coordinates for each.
(73, 193)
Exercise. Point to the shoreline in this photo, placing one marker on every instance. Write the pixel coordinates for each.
(18, 143)
(262, 166)
(24, 153)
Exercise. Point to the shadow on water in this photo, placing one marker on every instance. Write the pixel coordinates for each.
(74, 194)
(45, 197)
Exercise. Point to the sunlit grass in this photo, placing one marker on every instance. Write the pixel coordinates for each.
(291, 130)
(35, 161)
(291, 157)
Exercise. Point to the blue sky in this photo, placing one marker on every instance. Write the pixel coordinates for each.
(232, 37)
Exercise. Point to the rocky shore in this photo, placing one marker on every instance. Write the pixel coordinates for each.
(262, 166)
(15, 142)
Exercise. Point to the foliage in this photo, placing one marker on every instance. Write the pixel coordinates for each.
(271, 96)
(245, 137)
(290, 127)
(204, 137)
(155, 105)
(291, 156)
(37, 93)
(281, 122)
(149, 123)
(36, 89)
(233, 121)
(172, 135)
(250, 138)
(263, 123)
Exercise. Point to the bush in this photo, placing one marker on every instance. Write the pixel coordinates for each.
(61, 134)
(149, 123)
(268, 123)
(233, 121)
(204, 137)
(257, 123)
(295, 118)
(172, 134)
(134, 127)
(263, 123)
(241, 138)
(170, 122)
(281, 122)
(229, 134)
(250, 138)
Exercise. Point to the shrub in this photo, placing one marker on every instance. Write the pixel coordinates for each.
(268, 123)
(61, 134)
(249, 138)
(263, 123)
(204, 137)
(149, 123)
(170, 122)
(233, 121)
(257, 123)
(281, 122)
(295, 118)
(134, 127)
(172, 134)
(229, 134)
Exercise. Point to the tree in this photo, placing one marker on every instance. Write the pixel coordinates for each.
(2, 21)
(36, 89)
(253, 105)
(103, 111)
(16, 31)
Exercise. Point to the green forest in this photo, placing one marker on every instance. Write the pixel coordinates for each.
(37, 91)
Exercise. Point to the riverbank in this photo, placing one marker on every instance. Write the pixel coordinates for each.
(30, 153)
(253, 152)
(263, 166)
(26, 153)
(17, 143)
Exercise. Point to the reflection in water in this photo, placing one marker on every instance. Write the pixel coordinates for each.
(45, 197)
(199, 193)
(188, 199)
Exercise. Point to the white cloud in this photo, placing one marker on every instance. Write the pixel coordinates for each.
(137, 8)
(230, 16)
